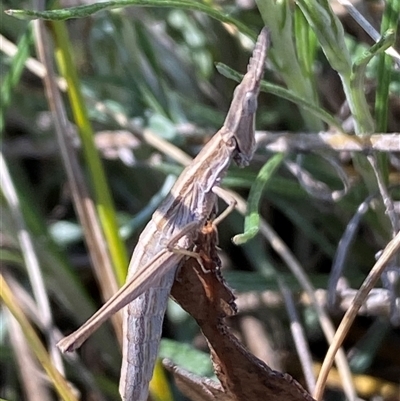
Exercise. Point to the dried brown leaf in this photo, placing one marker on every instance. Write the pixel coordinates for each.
(202, 292)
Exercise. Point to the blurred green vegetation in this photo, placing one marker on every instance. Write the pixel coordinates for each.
(151, 70)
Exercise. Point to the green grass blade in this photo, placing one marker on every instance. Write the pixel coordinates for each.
(385, 63)
(358, 75)
(252, 219)
(13, 76)
(35, 343)
(329, 32)
(87, 10)
(306, 47)
(277, 15)
(103, 197)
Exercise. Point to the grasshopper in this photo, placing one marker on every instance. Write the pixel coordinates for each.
(172, 230)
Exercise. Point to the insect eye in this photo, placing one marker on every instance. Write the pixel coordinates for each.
(250, 102)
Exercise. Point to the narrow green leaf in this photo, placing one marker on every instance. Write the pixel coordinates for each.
(278, 16)
(252, 220)
(104, 202)
(329, 31)
(13, 76)
(358, 75)
(306, 46)
(385, 63)
(87, 10)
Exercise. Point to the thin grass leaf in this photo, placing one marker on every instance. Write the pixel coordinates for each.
(104, 202)
(28, 367)
(35, 344)
(252, 219)
(369, 29)
(382, 92)
(299, 335)
(87, 10)
(306, 48)
(12, 78)
(348, 237)
(358, 75)
(277, 16)
(329, 32)
(385, 63)
(32, 265)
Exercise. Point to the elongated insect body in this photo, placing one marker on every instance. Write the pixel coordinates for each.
(144, 316)
(175, 224)
(143, 320)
